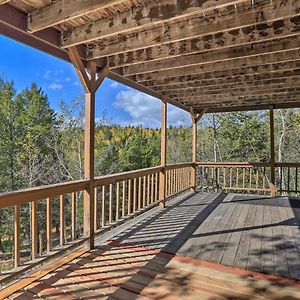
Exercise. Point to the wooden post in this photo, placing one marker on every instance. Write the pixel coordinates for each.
(195, 120)
(90, 83)
(194, 152)
(163, 155)
(272, 151)
(17, 236)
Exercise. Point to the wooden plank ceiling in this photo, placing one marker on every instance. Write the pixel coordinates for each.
(217, 54)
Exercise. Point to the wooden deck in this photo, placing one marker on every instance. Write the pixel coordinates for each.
(180, 253)
(250, 232)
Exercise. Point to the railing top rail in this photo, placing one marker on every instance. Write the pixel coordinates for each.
(178, 165)
(248, 164)
(234, 164)
(112, 178)
(8, 199)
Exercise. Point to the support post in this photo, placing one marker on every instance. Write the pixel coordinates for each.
(195, 120)
(194, 152)
(272, 151)
(90, 82)
(163, 155)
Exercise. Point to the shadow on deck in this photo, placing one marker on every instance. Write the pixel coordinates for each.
(201, 246)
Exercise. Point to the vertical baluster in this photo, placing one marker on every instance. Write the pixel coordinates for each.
(123, 198)
(49, 224)
(169, 183)
(250, 178)
(103, 216)
(129, 196)
(96, 208)
(110, 203)
(144, 191)
(181, 179)
(288, 178)
(17, 236)
(134, 194)
(177, 180)
(230, 178)
(224, 178)
(237, 178)
(152, 188)
(156, 186)
(243, 178)
(62, 219)
(264, 179)
(140, 193)
(256, 183)
(296, 180)
(117, 200)
(74, 210)
(34, 237)
(281, 178)
(148, 189)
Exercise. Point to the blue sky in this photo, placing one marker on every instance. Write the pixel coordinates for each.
(57, 78)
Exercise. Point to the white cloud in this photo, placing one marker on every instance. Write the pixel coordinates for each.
(47, 74)
(146, 111)
(114, 84)
(55, 86)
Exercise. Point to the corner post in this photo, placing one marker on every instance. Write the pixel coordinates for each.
(194, 151)
(163, 154)
(272, 151)
(195, 120)
(90, 82)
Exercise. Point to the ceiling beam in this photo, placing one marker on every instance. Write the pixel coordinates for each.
(235, 108)
(251, 54)
(230, 76)
(61, 11)
(195, 27)
(4, 1)
(255, 80)
(249, 65)
(153, 12)
(227, 39)
(236, 87)
(220, 98)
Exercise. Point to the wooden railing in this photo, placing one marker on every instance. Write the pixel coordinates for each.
(68, 232)
(117, 197)
(287, 178)
(232, 176)
(249, 177)
(178, 178)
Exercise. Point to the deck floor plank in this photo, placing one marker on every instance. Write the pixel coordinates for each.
(175, 253)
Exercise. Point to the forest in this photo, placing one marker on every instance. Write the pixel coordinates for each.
(40, 146)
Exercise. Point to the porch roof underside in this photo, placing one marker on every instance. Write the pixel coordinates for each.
(222, 55)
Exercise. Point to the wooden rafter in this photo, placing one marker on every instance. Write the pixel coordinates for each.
(240, 95)
(258, 53)
(254, 65)
(231, 82)
(239, 89)
(61, 11)
(228, 39)
(199, 26)
(149, 14)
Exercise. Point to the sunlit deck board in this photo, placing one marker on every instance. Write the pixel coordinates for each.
(122, 271)
(138, 263)
(250, 232)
